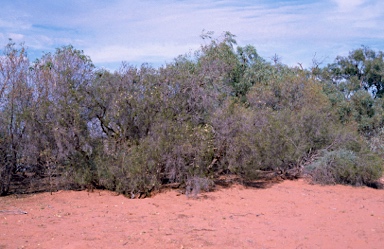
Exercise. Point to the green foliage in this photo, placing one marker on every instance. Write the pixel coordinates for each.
(362, 68)
(360, 108)
(346, 167)
(367, 112)
(278, 127)
(220, 110)
(354, 84)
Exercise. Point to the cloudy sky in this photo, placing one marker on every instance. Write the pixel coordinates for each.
(156, 31)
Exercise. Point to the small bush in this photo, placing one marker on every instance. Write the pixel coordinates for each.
(136, 169)
(195, 185)
(345, 167)
(376, 142)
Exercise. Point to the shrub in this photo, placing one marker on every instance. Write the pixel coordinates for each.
(132, 170)
(376, 142)
(345, 167)
(195, 185)
(186, 151)
(282, 122)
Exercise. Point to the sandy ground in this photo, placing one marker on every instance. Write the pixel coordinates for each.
(291, 214)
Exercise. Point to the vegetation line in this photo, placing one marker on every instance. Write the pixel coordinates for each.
(222, 110)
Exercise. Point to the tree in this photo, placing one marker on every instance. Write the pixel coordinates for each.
(15, 98)
(58, 120)
(363, 68)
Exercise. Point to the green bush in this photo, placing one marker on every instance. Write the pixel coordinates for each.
(132, 170)
(345, 167)
(208, 113)
(376, 142)
(282, 122)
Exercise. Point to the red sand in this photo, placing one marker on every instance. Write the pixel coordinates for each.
(291, 214)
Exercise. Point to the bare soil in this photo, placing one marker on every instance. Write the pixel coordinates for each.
(290, 214)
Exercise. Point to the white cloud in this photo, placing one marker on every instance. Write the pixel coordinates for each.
(153, 52)
(348, 5)
(5, 24)
(16, 37)
(150, 31)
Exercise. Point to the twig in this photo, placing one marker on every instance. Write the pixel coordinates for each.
(13, 211)
(247, 214)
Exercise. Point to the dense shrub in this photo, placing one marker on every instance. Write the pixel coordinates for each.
(284, 120)
(220, 110)
(345, 167)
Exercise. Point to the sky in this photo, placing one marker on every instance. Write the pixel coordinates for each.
(157, 31)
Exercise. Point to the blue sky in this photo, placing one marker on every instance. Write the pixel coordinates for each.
(156, 31)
